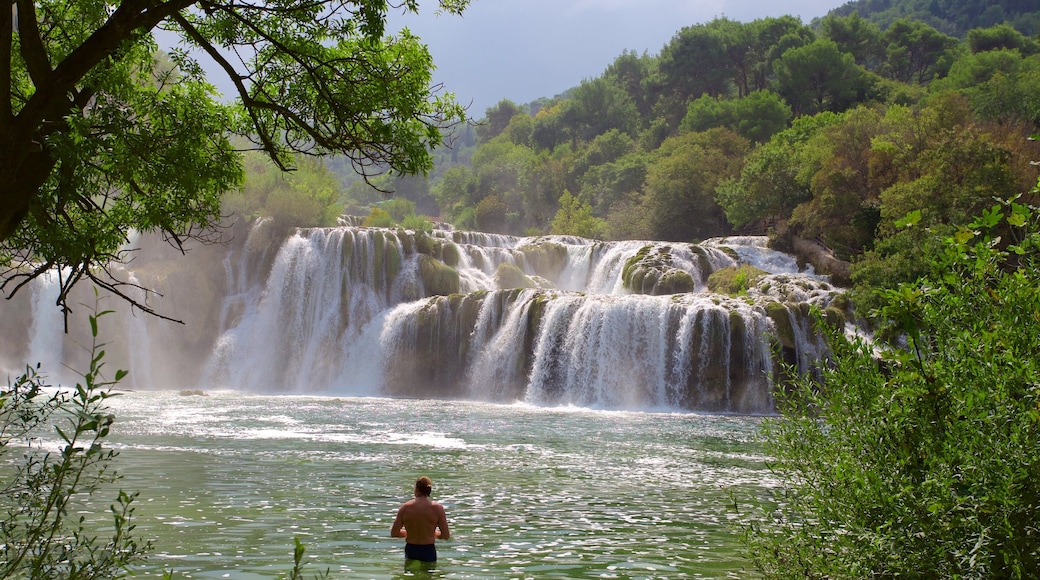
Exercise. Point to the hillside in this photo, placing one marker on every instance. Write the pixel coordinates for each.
(955, 17)
(830, 132)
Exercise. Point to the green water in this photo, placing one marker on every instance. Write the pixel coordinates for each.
(228, 480)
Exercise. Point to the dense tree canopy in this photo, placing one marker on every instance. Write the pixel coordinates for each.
(95, 138)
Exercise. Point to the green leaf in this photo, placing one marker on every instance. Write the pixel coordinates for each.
(910, 219)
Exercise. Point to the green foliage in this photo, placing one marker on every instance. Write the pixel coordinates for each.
(607, 183)
(1001, 37)
(398, 208)
(45, 494)
(856, 36)
(378, 218)
(98, 138)
(490, 214)
(755, 117)
(575, 218)
(951, 17)
(921, 458)
(297, 570)
(681, 182)
(306, 197)
(496, 120)
(1001, 85)
(771, 183)
(819, 77)
(734, 280)
(417, 222)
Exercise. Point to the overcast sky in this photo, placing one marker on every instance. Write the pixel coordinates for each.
(522, 50)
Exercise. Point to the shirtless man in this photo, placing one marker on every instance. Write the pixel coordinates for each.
(420, 521)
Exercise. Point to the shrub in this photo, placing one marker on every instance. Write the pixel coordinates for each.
(921, 459)
(43, 534)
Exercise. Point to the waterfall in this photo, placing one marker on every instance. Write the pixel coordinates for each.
(552, 320)
(46, 345)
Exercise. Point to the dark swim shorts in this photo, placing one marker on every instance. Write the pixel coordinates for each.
(421, 552)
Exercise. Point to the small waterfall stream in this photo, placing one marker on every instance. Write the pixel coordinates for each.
(553, 320)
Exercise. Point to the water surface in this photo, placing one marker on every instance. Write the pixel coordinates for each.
(228, 480)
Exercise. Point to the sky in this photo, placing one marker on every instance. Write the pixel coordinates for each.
(523, 50)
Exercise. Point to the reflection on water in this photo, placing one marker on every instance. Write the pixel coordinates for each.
(228, 480)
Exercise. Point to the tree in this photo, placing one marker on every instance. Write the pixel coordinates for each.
(756, 116)
(307, 197)
(772, 182)
(915, 51)
(819, 77)
(606, 184)
(772, 38)
(920, 458)
(601, 105)
(575, 218)
(1001, 37)
(95, 139)
(631, 72)
(681, 182)
(856, 36)
(692, 64)
(497, 119)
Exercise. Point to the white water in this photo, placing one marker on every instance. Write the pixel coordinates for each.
(344, 310)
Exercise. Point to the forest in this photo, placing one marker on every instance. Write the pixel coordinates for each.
(823, 135)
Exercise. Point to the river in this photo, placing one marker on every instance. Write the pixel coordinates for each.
(228, 479)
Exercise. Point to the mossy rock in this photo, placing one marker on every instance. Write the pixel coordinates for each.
(450, 254)
(407, 241)
(438, 278)
(508, 276)
(703, 262)
(632, 264)
(653, 272)
(834, 316)
(734, 280)
(842, 302)
(675, 282)
(546, 258)
(426, 244)
(542, 283)
(781, 318)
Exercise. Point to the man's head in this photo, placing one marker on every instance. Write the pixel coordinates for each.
(423, 486)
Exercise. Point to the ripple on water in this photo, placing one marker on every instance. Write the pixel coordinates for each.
(227, 482)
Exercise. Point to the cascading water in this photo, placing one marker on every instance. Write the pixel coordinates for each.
(553, 320)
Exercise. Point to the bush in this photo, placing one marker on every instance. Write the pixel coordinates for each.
(921, 460)
(43, 534)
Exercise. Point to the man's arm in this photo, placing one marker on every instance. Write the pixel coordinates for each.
(397, 530)
(442, 523)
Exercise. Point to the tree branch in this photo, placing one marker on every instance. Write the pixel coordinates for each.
(236, 79)
(6, 37)
(103, 43)
(31, 45)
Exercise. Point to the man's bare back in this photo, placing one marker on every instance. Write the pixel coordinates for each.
(421, 521)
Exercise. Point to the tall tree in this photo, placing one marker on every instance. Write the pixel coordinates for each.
(681, 182)
(857, 36)
(95, 139)
(819, 77)
(915, 51)
(692, 64)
